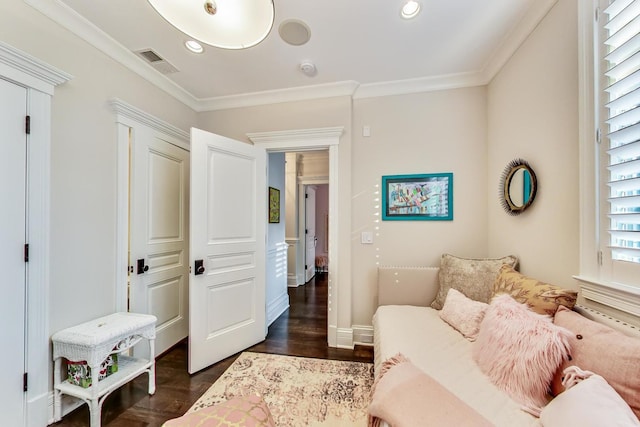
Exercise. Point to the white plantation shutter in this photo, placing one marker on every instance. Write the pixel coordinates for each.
(621, 74)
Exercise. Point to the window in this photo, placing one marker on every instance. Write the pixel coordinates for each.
(610, 153)
(621, 81)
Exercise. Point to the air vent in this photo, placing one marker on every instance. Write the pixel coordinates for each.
(157, 62)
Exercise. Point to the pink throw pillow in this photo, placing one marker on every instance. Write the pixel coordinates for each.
(463, 314)
(250, 411)
(591, 402)
(520, 350)
(609, 353)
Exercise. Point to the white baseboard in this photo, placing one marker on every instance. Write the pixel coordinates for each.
(363, 334)
(37, 411)
(69, 404)
(277, 307)
(292, 281)
(345, 338)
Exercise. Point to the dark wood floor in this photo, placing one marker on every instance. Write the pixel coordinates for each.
(300, 331)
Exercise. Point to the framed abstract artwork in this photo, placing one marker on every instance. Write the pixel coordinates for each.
(425, 197)
(274, 205)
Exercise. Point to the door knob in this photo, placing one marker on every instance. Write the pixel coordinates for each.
(199, 267)
(142, 267)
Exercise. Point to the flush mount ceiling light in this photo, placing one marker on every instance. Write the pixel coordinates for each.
(228, 24)
(410, 9)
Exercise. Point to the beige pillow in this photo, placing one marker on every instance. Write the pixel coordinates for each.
(474, 277)
(609, 353)
(463, 314)
(541, 297)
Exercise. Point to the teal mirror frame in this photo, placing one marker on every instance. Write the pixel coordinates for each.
(518, 187)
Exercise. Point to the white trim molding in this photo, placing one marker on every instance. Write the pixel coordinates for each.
(345, 338)
(29, 71)
(615, 295)
(40, 79)
(68, 18)
(318, 139)
(127, 118)
(127, 111)
(64, 15)
(362, 334)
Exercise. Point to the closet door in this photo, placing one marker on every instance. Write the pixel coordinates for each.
(13, 150)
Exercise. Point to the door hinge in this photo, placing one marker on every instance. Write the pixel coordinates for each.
(306, 231)
(306, 196)
(306, 267)
(27, 125)
(26, 252)
(596, 14)
(598, 136)
(600, 258)
(25, 382)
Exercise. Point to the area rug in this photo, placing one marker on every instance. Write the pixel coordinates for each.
(299, 391)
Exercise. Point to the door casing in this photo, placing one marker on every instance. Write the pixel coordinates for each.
(313, 140)
(40, 79)
(127, 118)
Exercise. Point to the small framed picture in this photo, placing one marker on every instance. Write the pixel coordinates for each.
(274, 205)
(425, 197)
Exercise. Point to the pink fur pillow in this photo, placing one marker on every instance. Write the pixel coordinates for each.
(463, 314)
(520, 350)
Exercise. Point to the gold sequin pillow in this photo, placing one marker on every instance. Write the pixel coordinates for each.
(474, 277)
(541, 297)
(249, 411)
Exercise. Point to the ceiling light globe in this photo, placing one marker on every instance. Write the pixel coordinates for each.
(410, 9)
(236, 24)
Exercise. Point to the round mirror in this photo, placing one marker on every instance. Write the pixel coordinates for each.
(518, 187)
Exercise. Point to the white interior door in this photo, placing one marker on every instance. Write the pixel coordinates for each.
(228, 224)
(310, 232)
(159, 247)
(13, 150)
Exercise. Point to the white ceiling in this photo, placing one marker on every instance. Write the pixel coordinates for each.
(360, 47)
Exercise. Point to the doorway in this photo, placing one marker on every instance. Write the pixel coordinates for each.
(152, 251)
(308, 140)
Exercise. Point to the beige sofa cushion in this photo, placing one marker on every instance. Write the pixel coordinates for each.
(474, 277)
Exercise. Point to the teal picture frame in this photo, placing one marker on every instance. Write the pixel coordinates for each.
(422, 197)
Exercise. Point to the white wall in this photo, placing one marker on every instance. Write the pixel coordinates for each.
(277, 299)
(83, 160)
(529, 110)
(533, 114)
(443, 131)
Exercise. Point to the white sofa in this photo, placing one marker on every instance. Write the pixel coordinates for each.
(404, 323)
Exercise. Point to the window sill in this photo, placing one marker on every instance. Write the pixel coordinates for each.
(615, 295)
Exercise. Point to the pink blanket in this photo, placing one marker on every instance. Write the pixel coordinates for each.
(405, 396)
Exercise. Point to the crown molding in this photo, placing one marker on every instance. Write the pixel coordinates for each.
(68, 18)
(423, 84)
(514, 38)
(302, 93)
(80, 26)
(25, 69)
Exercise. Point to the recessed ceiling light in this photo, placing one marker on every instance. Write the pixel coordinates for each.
(194, 46)
(410, 9)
